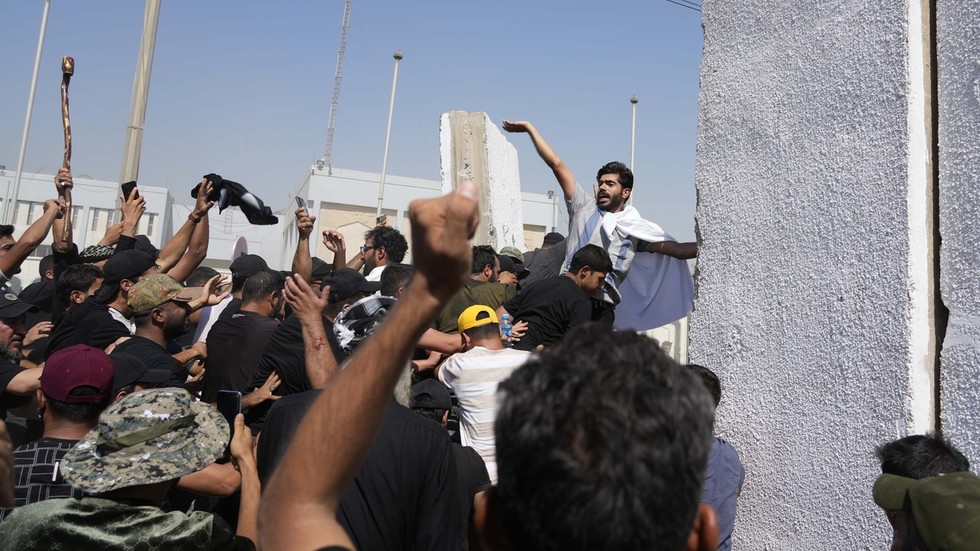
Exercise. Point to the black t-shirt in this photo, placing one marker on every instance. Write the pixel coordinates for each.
(405, 494)
(9, 370)
(234, 348)
(234, 306)
(471, 478)
(155, 357)
(88, 323)
(550, 307)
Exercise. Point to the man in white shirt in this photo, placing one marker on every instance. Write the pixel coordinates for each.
(474, 375)
(382, 246)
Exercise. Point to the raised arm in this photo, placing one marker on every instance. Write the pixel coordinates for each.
(562, 173)
(32, 237)
(300, 503)
(61, 237)
(197, 249)
(133, 208)
(683, 251)
(308, 309)
(172, 252)
(302, 261)
(334, 242)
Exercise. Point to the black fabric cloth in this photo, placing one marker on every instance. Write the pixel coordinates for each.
(234, 307)
(9, 370)
(235, 346)
(285, 354)
(405, 494)
(155, 357)
(88, 323)
(40, 294)
(544, 263)
(550, 307)
(232, 194)
(62, 260)
(471, 478)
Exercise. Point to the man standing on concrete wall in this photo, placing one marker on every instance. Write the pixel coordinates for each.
(661, 290)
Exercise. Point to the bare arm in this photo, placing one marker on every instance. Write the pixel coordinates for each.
(6, 468)
(357, 262)
(682, 251)
(263, 393)
(334, 242)
(444, 343)
(197, 250)
(32, 237)
(25, 382)
(300, 504)
(243, 457)
(302, 261)
(215, 480)
(61, 240)
(562, 173)
(308, 309)
(174, 249)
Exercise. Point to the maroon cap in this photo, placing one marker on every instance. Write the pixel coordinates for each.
(75, 367)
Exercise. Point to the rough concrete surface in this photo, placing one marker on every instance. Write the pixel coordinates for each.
(959, 208)
(810, 278)
(473, 148)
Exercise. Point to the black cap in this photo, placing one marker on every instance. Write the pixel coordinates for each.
(345, 283)
(247, 265)
(131, 370)
(12, 307)
(129, 264)
(321, 269)
(513, 265)
(430, 393)
(553, 238)
(143, 244)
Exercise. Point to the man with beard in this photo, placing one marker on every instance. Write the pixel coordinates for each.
(663, 290)
(160, 306)
(235, 345)
(16, 383)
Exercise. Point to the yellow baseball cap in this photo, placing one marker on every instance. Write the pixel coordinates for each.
(475, 316)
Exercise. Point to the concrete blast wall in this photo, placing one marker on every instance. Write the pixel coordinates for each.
(473, 148)
(815, 276)
(958, 28)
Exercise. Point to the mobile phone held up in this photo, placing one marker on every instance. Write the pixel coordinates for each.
(128, 188)
(230, 405)
(300, 202)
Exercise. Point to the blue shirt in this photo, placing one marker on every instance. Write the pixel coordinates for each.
(722, 484)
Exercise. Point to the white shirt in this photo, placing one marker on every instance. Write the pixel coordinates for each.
(375, 274)
(209, 315)
(474, 375)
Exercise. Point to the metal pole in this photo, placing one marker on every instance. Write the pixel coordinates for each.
(141, 90)
(8, 211)
(391, 110)
(634, 101)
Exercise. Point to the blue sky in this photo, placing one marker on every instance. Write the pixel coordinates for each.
(242, 88)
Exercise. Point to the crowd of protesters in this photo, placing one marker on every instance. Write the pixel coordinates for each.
(378, 405)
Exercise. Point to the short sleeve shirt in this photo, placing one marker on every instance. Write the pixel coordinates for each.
(585, 228)
(550, 307)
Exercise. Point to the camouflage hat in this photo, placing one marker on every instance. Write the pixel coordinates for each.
(157, 289)
(147, 437)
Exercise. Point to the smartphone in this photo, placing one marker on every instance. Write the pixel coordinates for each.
(380, 221)
(128, 188)
(300, 202)
(230, 405)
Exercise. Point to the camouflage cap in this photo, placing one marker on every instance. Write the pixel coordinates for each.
(154, 290)
(147, 437)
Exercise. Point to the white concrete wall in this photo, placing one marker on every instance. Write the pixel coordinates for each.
(959, 207)
(473, 148)
(813, 298)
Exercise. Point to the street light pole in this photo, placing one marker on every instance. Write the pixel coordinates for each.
(141, 90)
(391, 110)
(8, 211)
(634, 101)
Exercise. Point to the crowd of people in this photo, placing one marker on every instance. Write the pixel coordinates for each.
(376, 404)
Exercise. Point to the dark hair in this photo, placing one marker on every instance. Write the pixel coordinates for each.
(709, 379)
(594, 257)
(576, 466)
(78, 413)
(431, 413)
(77, 277)
(6, 230)
(483, 256)
(200, 276)
(616, 167)
(921, 456)
(395, 276)
(484, 332)
(391, 239)
(46, 263)
(261, 284)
